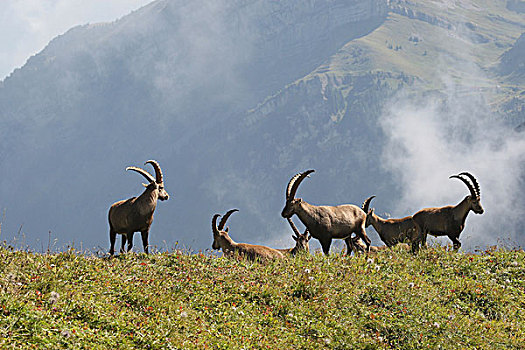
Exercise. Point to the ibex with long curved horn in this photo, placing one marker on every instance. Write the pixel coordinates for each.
(301, 241)
(136, 214)
(222, 240)
(391, 231)
(325, 222)
(450, 220)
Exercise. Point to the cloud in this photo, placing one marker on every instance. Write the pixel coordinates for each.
(27, 26)
(432, 137)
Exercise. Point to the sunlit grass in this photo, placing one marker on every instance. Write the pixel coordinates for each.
(179, 300)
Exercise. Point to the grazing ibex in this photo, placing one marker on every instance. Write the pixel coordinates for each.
(136, 214)
(450, 220)
(391, 231)
(222, 240)
(301, 241)
(325, 222)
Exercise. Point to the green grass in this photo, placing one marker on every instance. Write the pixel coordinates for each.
(180, 301)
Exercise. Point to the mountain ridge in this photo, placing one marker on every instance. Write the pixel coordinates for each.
(232, 99)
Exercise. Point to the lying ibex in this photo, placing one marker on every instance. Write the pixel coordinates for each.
(391, 231)
(222, 240)
(136, 214)
(450, 220)
(301, 241)
(325, 222)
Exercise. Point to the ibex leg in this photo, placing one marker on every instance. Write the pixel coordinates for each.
(112, 237)
(145, 241)
(424, 241)
(361, 233)
(123, 245)
(130, 240)
(325, 244)
(415, 246)
(349, 245)
(455, 241)
(417, 237)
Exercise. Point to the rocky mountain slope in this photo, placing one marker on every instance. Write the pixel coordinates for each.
(232, 98)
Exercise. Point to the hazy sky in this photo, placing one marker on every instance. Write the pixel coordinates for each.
(26, 26)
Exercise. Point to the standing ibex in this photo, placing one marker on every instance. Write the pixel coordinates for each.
(391, 231)
(325, 222)
(136, 214)
(222, 240)
(301, 241)
(450, 220)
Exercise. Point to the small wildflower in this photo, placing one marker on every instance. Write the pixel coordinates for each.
(184, 314)
(307, 270)
(411, 285)
(53, 298)
(377, 267)
(311, 278)
(436, 324)
(370, 260)
(451, 317)
(514, 263)
(65, 333)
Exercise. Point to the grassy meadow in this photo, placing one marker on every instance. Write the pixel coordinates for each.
(437, 299)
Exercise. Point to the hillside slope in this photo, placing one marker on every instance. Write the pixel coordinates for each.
(180, 301)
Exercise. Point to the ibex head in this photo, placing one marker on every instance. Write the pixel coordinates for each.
(302, 239)
(366, 205)
(154, 183)
(219, 233)
(291, 202)
(474, 199)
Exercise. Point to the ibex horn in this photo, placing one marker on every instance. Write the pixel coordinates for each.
(214, 224)
(295, 182)
(225, 218)
(465, 181)
(294, 228)
(474, 182)
(366, 204)
(158, 171)
(143, 172)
